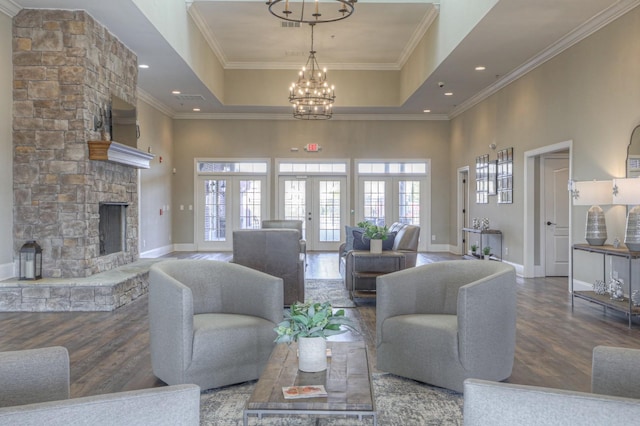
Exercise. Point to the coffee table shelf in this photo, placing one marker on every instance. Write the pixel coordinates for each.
(347, 381)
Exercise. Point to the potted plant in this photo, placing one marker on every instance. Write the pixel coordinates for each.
(474, 249)
(310, 324)
(376, 235)
(487, 252)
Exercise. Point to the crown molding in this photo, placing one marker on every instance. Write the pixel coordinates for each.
(426, 22)
(155, 103)
(296, 66)
(9, 8)
(594, 24)
(208, 36)
(336, 117)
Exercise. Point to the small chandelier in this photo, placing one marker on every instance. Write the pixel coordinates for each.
(311, 95)
(301, 11)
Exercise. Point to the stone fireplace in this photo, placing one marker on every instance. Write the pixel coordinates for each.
(66, 67)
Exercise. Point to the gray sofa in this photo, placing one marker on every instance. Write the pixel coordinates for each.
(275, 252)
(445, 322)
(34, 391)
(211, 323)
(405, 243)
(614, 401)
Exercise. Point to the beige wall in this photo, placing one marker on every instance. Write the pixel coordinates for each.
(155, 183)
(339, 139)
(589, 94)
(6, 150)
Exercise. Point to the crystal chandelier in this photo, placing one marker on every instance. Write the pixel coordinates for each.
(311, 95)
(301, 10)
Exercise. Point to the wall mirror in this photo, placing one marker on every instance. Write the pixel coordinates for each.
(633, 154)
(482, 179)
(505, 176)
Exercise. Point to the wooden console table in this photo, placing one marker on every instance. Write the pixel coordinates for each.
(488, 233)
(624, 306)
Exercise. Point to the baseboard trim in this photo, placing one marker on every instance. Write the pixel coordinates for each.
(582, 285)
(184, 247)
(157, 252)
(7, 270)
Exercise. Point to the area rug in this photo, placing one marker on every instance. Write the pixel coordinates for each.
(399, 402)
(332, 291)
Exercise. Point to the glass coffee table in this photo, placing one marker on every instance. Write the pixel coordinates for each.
(346, 380)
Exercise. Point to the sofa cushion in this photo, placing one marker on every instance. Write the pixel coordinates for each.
(349, 233)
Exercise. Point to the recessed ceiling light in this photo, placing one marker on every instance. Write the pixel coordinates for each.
(448, 94)
(176, 92)
(196, 109)
(143, 66)
(427, 110)
(480, 68)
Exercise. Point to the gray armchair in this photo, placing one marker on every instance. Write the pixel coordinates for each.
(614, 399)
(211, 323)
(275, 252)
(405, 244)
(447, 321)
(287, 224)
(34, 391)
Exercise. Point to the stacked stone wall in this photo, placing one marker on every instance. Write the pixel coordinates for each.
(66, 67)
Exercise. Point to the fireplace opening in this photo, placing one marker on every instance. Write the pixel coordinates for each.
(112, 227)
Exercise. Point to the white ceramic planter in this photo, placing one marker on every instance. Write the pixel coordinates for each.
(376, 246)
(312, 354)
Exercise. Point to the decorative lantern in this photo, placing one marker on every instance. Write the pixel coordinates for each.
(30, 261)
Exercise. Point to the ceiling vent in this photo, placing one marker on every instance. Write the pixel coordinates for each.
(289, 24)
(185, 97)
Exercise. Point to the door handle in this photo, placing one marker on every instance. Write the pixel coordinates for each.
(550, 223)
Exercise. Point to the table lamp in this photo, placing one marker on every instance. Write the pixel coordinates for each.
(594, 193)
(627, 192)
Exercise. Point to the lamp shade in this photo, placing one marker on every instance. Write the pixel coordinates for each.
(627, 191)
(593, 193)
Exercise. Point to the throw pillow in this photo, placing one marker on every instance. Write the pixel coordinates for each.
(360, 242)
(349, 233)
(388, 243)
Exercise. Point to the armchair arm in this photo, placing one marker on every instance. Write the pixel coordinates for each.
(170, 325)
(34, 375)
(615, 371)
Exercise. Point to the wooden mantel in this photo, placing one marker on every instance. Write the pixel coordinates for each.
(119, 153)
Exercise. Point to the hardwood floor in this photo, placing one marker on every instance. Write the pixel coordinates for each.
(110, 350)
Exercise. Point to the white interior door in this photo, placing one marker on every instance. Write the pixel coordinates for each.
(556, 216)
(227, 203)
(320, 202)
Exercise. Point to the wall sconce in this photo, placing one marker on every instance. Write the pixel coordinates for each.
(627, 192)
(593, 193)
(30, 261)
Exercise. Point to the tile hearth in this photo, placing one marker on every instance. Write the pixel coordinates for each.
(105, 291)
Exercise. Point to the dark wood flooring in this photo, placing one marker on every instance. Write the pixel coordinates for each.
(110, 350)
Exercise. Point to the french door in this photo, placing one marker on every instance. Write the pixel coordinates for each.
(384, 200)
(320, 202)
(226, 203)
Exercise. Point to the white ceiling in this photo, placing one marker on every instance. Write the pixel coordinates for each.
(513, 37)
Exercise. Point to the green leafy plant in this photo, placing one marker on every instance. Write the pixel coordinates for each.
(474, 248)
(374, 232)
(486, 250)
(312, 320)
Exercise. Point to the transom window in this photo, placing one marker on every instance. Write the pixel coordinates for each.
(217, 167)
(394, 168)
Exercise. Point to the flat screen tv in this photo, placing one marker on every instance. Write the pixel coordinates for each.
(123, 122)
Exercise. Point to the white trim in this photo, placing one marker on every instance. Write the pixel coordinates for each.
(155, 103)
(529, 184)
(336, 116)
(460, 203)
(585, 30)
(446, 248)
(8, 270)
(579, 285)
(157, 252)
(184, 247)
(9, 8)
(418, 35)
(123, 154)
(206, 33)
